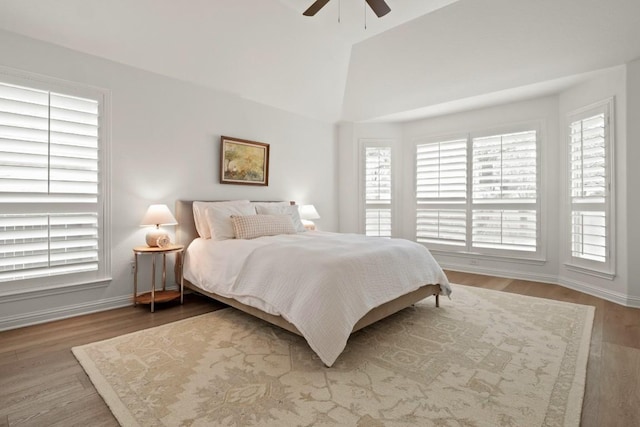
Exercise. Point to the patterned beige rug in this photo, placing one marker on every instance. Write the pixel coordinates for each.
(484, 358)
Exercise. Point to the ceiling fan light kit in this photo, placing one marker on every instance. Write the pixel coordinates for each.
(379, 7)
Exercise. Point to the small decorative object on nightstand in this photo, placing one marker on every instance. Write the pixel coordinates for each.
(307, 213)
(160, 295)
(158, 215)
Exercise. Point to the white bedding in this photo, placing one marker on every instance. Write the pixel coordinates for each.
(322, 283)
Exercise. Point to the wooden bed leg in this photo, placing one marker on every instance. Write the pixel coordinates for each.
(437, 300)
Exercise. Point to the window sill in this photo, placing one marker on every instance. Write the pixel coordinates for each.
(486, 257)
(590, 271)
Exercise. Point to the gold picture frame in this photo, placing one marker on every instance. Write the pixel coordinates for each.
(243, 162)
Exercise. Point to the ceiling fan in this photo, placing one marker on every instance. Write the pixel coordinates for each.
(379, 7)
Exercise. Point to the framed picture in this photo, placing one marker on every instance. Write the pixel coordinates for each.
(243, 162)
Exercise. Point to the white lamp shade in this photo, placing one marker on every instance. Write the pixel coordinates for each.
(308, 212)
(158, 215)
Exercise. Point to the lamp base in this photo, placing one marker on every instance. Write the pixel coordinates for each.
(308, 225)
(156, 238)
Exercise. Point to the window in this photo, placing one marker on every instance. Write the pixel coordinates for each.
(378, 188)
(479, 193)
(590, 188)
(441, 184)
(52, 181)
(504, 214)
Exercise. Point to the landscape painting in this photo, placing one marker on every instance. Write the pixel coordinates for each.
(243, 162)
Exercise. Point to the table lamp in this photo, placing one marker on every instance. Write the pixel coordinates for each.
(307, 213)
(158, 215)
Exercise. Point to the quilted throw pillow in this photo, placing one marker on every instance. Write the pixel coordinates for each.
(279, 209)
(252, 226)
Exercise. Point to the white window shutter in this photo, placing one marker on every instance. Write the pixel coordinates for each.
(378, 190)
(589, 235)
(442, 226)
(49, 164)
(588, 187)
(495, 209)
(24, 140)
(441, 170)
(441, 192)
(378, 222)
(505, 229)
(505, 192)
(74, 146)
(504, 168)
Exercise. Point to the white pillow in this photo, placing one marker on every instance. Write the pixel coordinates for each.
(252, 226)
(200, 218)
(267, 204)
(279, 209)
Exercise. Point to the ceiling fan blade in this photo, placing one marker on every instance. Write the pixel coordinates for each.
(315, 7)
(380, 7)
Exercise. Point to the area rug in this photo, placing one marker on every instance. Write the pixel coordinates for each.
(484, 358)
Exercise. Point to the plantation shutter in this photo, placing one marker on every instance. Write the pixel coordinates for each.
(504, 196)
(441, 192)
(378, 190)
(48, 183)
(588, 165)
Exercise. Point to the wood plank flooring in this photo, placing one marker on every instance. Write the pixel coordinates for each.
(42, 384)
(612, 393)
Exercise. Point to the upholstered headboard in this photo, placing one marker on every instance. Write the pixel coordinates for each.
(186, 229)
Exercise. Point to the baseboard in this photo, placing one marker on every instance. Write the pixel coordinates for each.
(585, 288)
(43, 292)
(43, 316)
(605, 294)
(509, 274)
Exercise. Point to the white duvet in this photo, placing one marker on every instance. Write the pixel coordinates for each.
(322, 283)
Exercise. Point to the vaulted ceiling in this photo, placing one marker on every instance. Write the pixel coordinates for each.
(425, 57)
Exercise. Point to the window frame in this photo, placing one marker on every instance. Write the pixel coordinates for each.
(448, 204)
(606, 270)
(468, 250)
(363, 144)
(103, 274)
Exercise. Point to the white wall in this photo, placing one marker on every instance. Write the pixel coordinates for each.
(611, 84)
(633, 178)
(622, 83)
(165, 147)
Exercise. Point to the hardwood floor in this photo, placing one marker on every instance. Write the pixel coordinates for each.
(42, 384)
(612, 393)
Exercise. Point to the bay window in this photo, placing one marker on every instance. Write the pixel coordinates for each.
(479, 193)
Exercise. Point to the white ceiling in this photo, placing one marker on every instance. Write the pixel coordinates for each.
(424, 57)
(476, 49)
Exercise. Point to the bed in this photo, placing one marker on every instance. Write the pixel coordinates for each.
(263, 276)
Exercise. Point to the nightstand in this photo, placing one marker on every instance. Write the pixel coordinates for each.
(160, 295)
